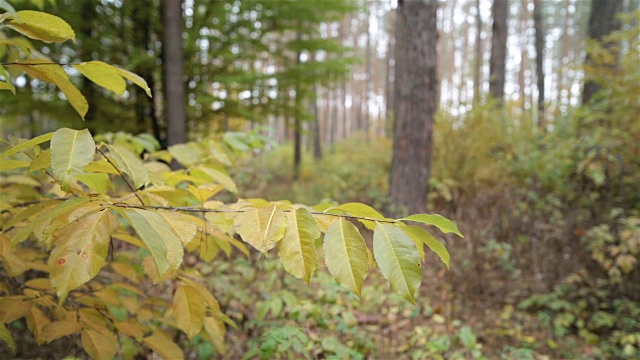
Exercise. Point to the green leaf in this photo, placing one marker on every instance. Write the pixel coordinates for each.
(27, 144)
(5, 336)
(42, 26)
(46, 218)
(296, 249)
(422, 237)
(188, 309)
(215, 330)
(261, 227)
(445, 225)
(96, 181)
(57, 329)
(346, 255)
(467, 337)
(81, 251)
(398, 260)
(98, 345)
(163, 346)
(103, 74)
(54, 73)
(134, 78)
(6, 84)
(71, 151)
(361, 210)
(165, 246)
(129, 164)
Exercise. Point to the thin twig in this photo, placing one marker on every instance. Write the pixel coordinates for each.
(121, 175)
(204, 210)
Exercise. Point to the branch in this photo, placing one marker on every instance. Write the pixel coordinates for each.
(204, 210)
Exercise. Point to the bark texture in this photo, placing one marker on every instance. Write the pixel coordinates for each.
(497, 63)
(539, 42)
(173, 63)
(601, 22)
(416, 99)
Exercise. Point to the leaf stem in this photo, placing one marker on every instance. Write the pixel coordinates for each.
(121, 175)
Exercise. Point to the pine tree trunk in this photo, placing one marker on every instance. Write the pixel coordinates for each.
(478, 61)
(601, 22)
(416, 100)
(539, 42)
(173, 70)
(497, 64)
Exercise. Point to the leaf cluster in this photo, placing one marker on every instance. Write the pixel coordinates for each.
(102, 211)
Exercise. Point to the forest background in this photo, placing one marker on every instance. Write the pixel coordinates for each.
(535, 156)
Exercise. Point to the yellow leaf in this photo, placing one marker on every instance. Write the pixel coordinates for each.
(42, 161)
(10, 164)
(129, 164)
(36, 320)
(54, 73)
(209, 299)
(100, 166)
(215, 330)
(130, 328)
(27, 144)
(98, 345)
(57, 329)
(165, 246)
(261, 227)
(42, 26)
(127, 270)
(164, 346)
(13, 308)
(297, 250)
(71, 151)
(81, 251)
(134, 78)
(346, 255)
(188, 310)
(181, 224)
(204, 192)
(103, 74)
(13, 264)
(39, 283)
(5, 336)
(92, 318)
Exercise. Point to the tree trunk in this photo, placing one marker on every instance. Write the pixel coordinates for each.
(369, 85)
(391, 46)
(477, 66)
(417, 94)
(317, 145)
(537, 20)
(497, 64)
(173, 72)
(601, 22)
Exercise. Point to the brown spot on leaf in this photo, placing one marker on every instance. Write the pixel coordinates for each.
(61, 261)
